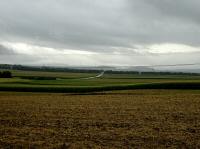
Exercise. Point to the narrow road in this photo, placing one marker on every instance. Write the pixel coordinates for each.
(97, 76)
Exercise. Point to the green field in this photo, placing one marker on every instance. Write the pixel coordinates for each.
(38, 81)
(69, 75)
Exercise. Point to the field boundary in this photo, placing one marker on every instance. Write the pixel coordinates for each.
(53, 89)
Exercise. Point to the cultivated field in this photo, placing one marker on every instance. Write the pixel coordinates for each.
(120, 119)
(38, 81)
(67, 75)
(77, 116)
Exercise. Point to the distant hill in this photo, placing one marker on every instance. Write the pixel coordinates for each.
(108, 69)
(183, 70)
(135, 68)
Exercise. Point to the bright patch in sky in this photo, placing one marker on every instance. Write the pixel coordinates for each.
(172, 48)
(23, 48)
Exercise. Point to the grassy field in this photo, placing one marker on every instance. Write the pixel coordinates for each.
(34, 81)
(120, 119)
(68, 75)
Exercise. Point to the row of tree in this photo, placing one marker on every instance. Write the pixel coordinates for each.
(86, 70)
(5, 74)
(47, 68)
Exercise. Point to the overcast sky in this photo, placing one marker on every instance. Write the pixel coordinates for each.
(99, 32)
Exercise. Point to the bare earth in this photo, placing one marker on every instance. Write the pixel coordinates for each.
(122, 119)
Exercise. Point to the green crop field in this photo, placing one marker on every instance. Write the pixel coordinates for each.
(21, 73)
(39, 81)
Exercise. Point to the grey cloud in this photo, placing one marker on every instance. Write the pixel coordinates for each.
(19, 59)
(182, 9)
(6, 51)
(172, 21)
(100, 25)
(89, 24)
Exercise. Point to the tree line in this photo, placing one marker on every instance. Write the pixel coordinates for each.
(87, 70)
(5, 74)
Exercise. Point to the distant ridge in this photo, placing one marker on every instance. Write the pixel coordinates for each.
(108, 69)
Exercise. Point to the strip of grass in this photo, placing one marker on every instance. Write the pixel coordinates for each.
(46, 74)
(58, 89)
(88, 82)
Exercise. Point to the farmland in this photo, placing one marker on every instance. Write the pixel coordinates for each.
(68, 110)
(34, 81)
(119, 119)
